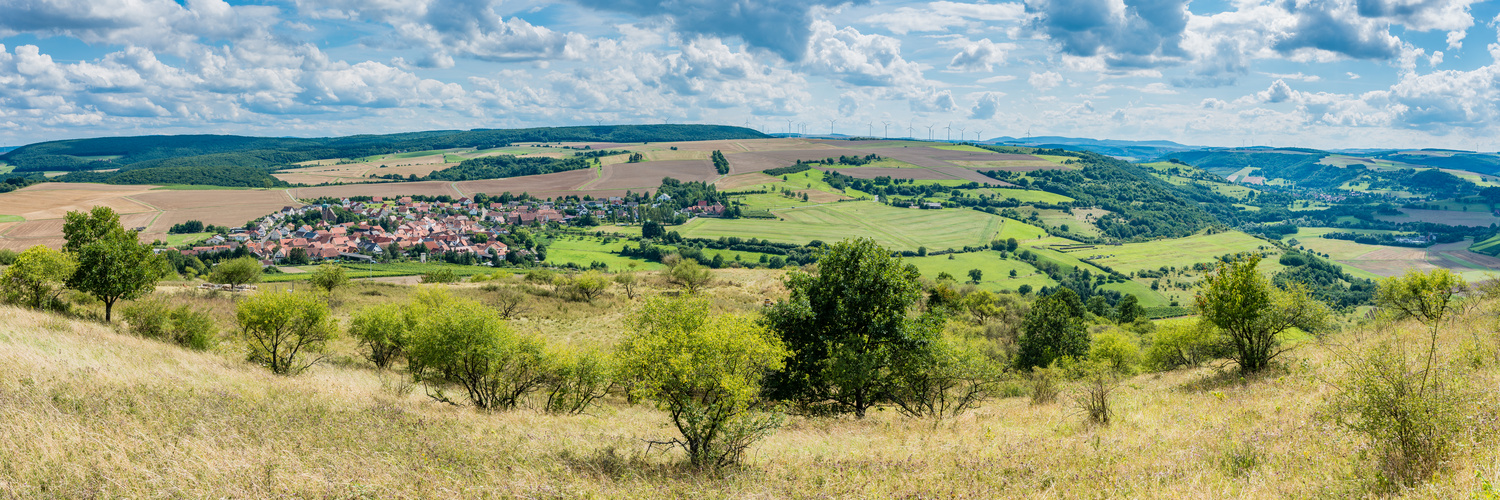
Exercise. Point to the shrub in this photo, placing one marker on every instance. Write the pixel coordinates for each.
(383, 330)
(1099, 383)
(36, 277)
(705, 371)
(589, 285)
(1117, 349)
(1179, 344)
(443, 275)
(154, 318)
(577, 381)
(1053, 329)
(1044, 384)
(687, 274)
(945, 381)
(1412, 416)
(286, 331)
(628, 282)
(848, 325)
(1412, 410)
(540, 276)
(460, 342)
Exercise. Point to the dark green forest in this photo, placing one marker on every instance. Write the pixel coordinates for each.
(231, 160)
(497, 167)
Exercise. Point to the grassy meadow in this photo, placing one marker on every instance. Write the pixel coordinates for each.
(88, 411)
(894, 228)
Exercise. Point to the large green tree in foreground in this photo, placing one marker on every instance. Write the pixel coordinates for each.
(1254, 315)
(847, 325)
(112, 263)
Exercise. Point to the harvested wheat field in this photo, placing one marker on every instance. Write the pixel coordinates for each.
(648, 175)
(556, 181)
(54, 200)
(758, 161)
(733, 182)
(387, 189)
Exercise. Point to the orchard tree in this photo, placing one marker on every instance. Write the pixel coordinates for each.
(329, 277)
(112, 265)
(847, 324)
(37, 276)
(1253, 314)
(236, 272)
(80, 228)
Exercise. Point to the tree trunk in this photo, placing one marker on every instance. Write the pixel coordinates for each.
(108, 306)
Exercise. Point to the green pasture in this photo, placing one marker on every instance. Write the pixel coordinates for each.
(1030, 196)
(175, 240)
(11, 218)
(809, 179)
(996, 270)
(1141, 291)
(1021, 231)
(1176, 252)
(881, 163)
(770, 201)
(585, 250)
(894, 228)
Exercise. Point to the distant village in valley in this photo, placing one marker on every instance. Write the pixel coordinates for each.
(462, 230)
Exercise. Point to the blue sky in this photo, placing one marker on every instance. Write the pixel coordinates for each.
(1312, 73)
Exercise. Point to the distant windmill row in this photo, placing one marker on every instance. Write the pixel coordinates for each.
(793, 126)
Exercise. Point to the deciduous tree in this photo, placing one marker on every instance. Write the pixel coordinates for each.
(705, 371)
(846, 323)
(37, 276)
(285, 331)
(113, 266)
(1253, 314)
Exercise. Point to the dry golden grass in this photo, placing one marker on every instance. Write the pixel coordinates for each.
(86, 411)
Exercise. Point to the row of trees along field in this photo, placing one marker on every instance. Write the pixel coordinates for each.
(858, 331)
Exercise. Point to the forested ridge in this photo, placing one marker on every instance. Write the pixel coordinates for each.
(228, 150)
(1141, 206)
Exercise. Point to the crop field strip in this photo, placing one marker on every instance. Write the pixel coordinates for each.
(896, 228)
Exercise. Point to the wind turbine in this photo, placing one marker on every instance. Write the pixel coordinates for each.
(871, 130)
(830, 126)
(949, 128)
(978, 134)
(887, 129)
(803, 127)
(929, 131)
(788, 126)
(960, 133)
(909, 130)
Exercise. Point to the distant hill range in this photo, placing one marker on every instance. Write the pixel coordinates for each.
(246, 161)
(1127, 150)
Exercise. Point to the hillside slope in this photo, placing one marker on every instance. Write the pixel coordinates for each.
(87, 412)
